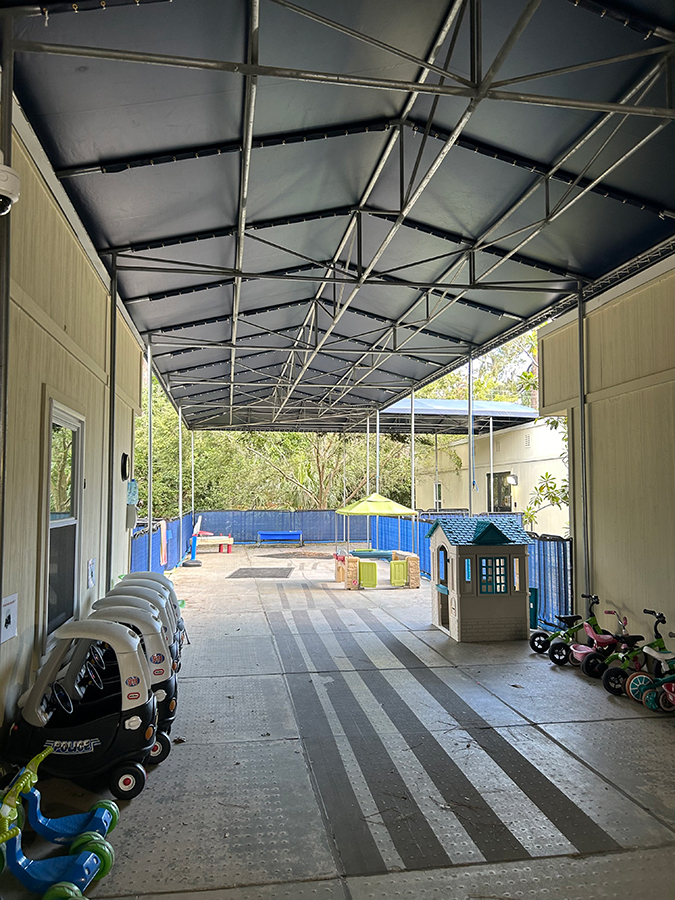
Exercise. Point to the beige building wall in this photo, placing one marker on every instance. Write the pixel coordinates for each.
(630, 414)
(59, 348)
(527, 451)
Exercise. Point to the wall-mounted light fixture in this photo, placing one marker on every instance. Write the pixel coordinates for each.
(512, 479)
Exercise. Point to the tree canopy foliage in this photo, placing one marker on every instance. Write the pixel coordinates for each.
(298, 470)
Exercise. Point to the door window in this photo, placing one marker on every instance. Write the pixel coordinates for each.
(65, 477)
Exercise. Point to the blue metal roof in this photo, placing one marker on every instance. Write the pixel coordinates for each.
(451, 416)
(463, 530)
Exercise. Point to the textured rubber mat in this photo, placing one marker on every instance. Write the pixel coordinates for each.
(261, 572)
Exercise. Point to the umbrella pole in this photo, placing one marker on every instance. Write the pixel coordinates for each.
(399, 532)
(336, 546)
(348, 534)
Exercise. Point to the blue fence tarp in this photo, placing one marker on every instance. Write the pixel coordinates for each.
(317, 525)
(550, 558)
(549, 562)
(139, 546)
(550, 568)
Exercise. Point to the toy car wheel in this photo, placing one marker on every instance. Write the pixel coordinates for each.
(666, 702)
(637, 684)
(62, 890)
(574, 660)
(593, 665)
(540, 642)
(127, 781)
(559, 653)
(613, 680)
(160, 749)
(112, 808)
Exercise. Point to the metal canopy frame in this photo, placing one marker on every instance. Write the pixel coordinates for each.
(446, 231)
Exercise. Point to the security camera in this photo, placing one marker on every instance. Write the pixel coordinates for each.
(10, 189)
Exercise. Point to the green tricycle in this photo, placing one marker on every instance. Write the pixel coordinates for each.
(540, 641)
(630, 658)
(644, 687)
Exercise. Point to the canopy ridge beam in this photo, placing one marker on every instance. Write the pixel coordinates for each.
(482, 91)
(386, 84)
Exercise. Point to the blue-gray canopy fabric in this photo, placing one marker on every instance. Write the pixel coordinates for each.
(315, 207)
(451, 416)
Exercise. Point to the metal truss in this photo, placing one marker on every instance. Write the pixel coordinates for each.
(318, 334)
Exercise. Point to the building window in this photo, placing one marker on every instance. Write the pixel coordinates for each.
(493, 575)
(65, 478)
(502, 491)
(438, 496)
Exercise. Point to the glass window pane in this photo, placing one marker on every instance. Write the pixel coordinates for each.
(61, 588)
(516, 574)
(61, 499)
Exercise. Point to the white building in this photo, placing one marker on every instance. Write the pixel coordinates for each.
(521, 454)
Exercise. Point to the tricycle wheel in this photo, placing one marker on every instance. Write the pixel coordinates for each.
(593, 665)
(559, 653)
(613, 680)
(650, 699)
(127, 781)
(540, 642)
(666, 702)
(574, 660)
(160, 749)
(62, 890)
(112, 808)
(92, 842)
(637, 684)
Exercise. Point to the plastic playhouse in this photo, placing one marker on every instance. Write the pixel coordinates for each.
(479, 578)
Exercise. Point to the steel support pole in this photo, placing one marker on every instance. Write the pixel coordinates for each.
(192, 464)
(180, 486)
(492, 466)
(6, 100)
(377, 474)
(149, 458)
(344, 482)
(412, 449)
(368, 477)
(582, 439)
(436, 503)
(471, 436)
(112, 400)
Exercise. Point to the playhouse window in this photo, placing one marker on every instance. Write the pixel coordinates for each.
(492, 571)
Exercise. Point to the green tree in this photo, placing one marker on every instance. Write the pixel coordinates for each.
(262, 470)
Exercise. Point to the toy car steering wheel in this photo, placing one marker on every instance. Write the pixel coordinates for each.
(62, 698)
(93, 673)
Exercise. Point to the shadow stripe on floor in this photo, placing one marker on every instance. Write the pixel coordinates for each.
(481, 823)
(354, 842)
(585, 834)
(412, 835)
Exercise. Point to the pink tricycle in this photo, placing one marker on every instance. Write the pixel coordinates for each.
(599, 641)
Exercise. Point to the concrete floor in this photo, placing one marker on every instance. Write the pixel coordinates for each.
(333, 745)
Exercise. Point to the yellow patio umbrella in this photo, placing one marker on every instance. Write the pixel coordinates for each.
(374, 505)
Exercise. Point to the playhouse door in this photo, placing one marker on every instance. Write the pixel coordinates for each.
(442, 588)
